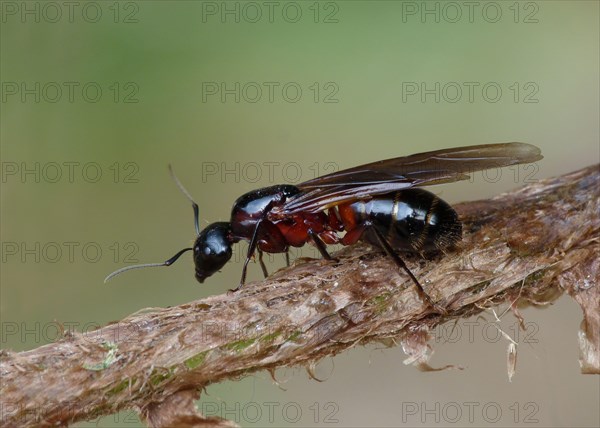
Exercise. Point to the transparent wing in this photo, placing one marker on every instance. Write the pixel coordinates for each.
(436, 167)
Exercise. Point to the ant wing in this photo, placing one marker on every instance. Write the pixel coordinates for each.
(436, 167)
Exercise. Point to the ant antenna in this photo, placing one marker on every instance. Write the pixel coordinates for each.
(176, 256)
(187, 194)
(167, 263)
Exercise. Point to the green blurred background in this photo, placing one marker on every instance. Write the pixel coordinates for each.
(361, 68)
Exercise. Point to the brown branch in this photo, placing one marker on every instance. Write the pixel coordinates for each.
(524, 247)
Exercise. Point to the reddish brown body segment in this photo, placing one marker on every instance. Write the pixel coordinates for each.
(276, 235)
(295, 230)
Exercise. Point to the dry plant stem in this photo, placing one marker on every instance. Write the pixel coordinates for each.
(524, 247)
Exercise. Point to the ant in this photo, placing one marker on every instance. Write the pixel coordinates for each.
(379, 203)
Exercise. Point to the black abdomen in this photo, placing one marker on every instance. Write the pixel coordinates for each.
(412, 220)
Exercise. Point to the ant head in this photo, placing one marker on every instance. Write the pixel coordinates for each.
(212, 249)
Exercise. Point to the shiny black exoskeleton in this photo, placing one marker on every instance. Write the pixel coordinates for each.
(377, 203)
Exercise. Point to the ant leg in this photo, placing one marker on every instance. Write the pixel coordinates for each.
(262, 263)
(320, 245)
(251, 248)
(287, 258)
(400, 263)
